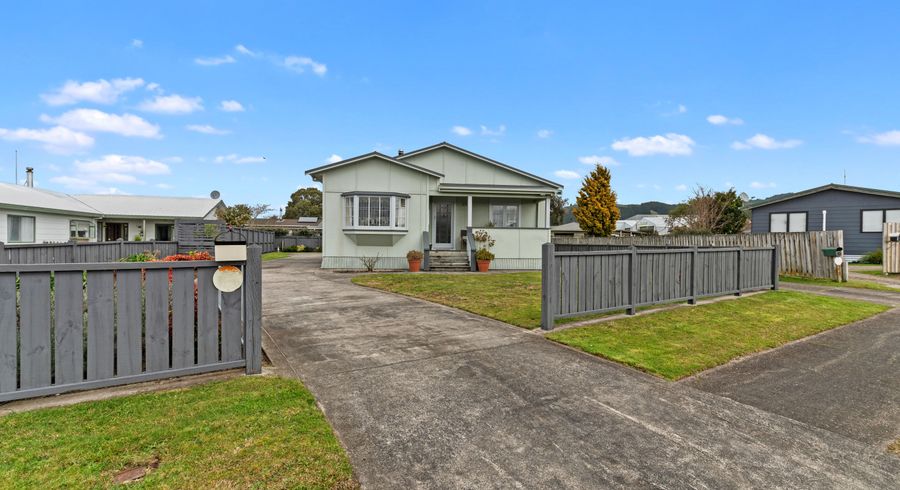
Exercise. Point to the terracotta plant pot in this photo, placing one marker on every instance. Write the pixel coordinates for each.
(483, 265)
(415, 265)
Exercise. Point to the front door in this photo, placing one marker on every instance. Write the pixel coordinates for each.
(442, 224)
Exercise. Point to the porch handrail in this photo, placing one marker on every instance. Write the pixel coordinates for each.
(426, 250)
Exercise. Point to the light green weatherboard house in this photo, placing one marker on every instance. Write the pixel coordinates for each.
(374, 205)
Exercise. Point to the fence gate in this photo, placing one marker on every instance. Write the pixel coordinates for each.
(891, 255)
(68, 327)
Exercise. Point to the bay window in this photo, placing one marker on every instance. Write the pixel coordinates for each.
(375, 211)
(20, 229)
(505, 215)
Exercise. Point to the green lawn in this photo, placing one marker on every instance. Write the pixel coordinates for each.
(875, 272)
(275, 255)
(680, 342)
(512, 298)
(849, 284)
(249, 432)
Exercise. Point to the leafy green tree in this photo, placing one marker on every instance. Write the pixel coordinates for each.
(304, 202)
(733, 216)
(709, 212)
(595, 207)
(557, 209)
(237, 215)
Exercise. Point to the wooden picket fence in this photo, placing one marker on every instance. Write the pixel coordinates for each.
(85, 326)
(799, 253)
(200, 235)
(891, 249)
(80, 252)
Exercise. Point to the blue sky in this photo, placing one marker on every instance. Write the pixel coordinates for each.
(180, 98)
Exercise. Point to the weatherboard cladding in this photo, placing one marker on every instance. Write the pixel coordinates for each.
(844, 213)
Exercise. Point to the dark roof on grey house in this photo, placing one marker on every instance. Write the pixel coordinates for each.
(828, 187)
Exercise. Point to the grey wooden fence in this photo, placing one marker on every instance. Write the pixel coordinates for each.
(310, 242)
(200, 235)
(84, 326)
(800, 253)
(575, 283)
(76, 253)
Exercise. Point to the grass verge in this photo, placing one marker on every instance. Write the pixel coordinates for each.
(275, 255)
(875, 272)
(684, 341)
(849, 284)
(249, 432)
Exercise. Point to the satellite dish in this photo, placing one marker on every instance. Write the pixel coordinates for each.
(214, 194)
(744, 197)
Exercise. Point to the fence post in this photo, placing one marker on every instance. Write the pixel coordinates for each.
(549, 286)
(776, 266)
(74, 258)
(253, 309)
(633, 282)
(739, 267)
(3, 258)
(694, 256)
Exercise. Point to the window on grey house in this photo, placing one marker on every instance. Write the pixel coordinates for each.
(20, 229)
(505, 215)
(872, 221)
(376, 212)
(778, 222)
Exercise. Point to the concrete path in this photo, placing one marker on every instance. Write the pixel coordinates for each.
(425, 396)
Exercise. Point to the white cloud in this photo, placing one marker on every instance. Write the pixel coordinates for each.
(153, 87)
(300, 64)
(57, 139)
(163, 185)
(137, 43)
(235, 158)
(486, 131)
(231, 106)
(172, 104)
(681, 187)
(682, 108)
(206, 129)
(887, 138)
(598, 160)
(93, 120)
(764, 142)
(720, 120)
(121, 165)
(215, 60)
(761, 185)
(240, 48)
(544, 133)
(671, 144)
(99, 92)
(567, 174)
(461, 130)
(334, 158)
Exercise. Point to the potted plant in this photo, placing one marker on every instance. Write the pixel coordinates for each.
(483, 256)
(414, 257)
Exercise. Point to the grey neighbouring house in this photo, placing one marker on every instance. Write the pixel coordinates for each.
(375, 205)
(860, 212)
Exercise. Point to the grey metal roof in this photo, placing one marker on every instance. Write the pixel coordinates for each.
(150, 206)
(23, 197)
(573, 226)
(444, 144)
(373, 154)
(828, 187)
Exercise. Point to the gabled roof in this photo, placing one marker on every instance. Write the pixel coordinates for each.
(331, 166)
(150, 206)
(827, 187)
(25, 197)
(483, 158)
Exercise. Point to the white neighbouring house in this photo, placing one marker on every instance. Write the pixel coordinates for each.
(29, 215)
(378, 205)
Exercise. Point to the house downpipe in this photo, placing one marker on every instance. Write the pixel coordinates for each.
(824, 220)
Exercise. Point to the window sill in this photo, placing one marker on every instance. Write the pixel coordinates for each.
(375, 231)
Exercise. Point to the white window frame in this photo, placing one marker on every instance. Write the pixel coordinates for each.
(772, 222)
(505, 206)
(90, 230)
(790, 219)
(398, 212)
(9, 228)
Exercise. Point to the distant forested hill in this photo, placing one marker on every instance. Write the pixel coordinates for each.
(629, 210)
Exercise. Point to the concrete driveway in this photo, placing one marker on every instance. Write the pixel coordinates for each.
(425, 396)
(845, 380)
